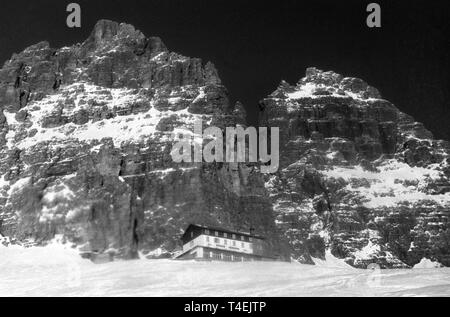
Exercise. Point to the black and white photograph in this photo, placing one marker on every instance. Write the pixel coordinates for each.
(224, 149)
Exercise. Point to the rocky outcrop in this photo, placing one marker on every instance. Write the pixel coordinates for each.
(357, 175)
(86, 134)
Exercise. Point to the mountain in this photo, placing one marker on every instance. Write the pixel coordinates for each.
(357, 175)
(86, 137)
(86, 134)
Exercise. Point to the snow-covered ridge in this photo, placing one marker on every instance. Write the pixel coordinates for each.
(315, 91)
(318, 85)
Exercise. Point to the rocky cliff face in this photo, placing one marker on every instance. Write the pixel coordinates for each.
(358, 176)
(86, 134)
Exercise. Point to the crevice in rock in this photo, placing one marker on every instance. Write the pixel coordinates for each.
(135, 233)
(122, 167)
(17, 83)
(57, 84)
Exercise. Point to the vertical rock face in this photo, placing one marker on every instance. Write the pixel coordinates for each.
(357, 175)
(86, 134)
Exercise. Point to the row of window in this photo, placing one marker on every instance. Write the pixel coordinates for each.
(225, 257)
(227, 235)
(230, 243)
(226, 242)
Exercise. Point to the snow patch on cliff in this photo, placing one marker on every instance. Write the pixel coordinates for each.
(368, 252)
(317, 91)
(127, 126)
(394, 182)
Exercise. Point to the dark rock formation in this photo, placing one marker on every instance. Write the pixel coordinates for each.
(86, 134)
(358, 174)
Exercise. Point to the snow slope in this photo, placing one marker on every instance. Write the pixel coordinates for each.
(58, 271)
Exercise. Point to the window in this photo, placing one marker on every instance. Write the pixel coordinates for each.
(192, 243)
(250, 239)
(243, 244)
(192, 234)
(207, 239)
(216, 233)
(242, 238)
(216, 240)
(225, 242)
(234, 243)
(207, 231)
(234, 236)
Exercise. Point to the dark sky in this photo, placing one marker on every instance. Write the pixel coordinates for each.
(255, 44)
